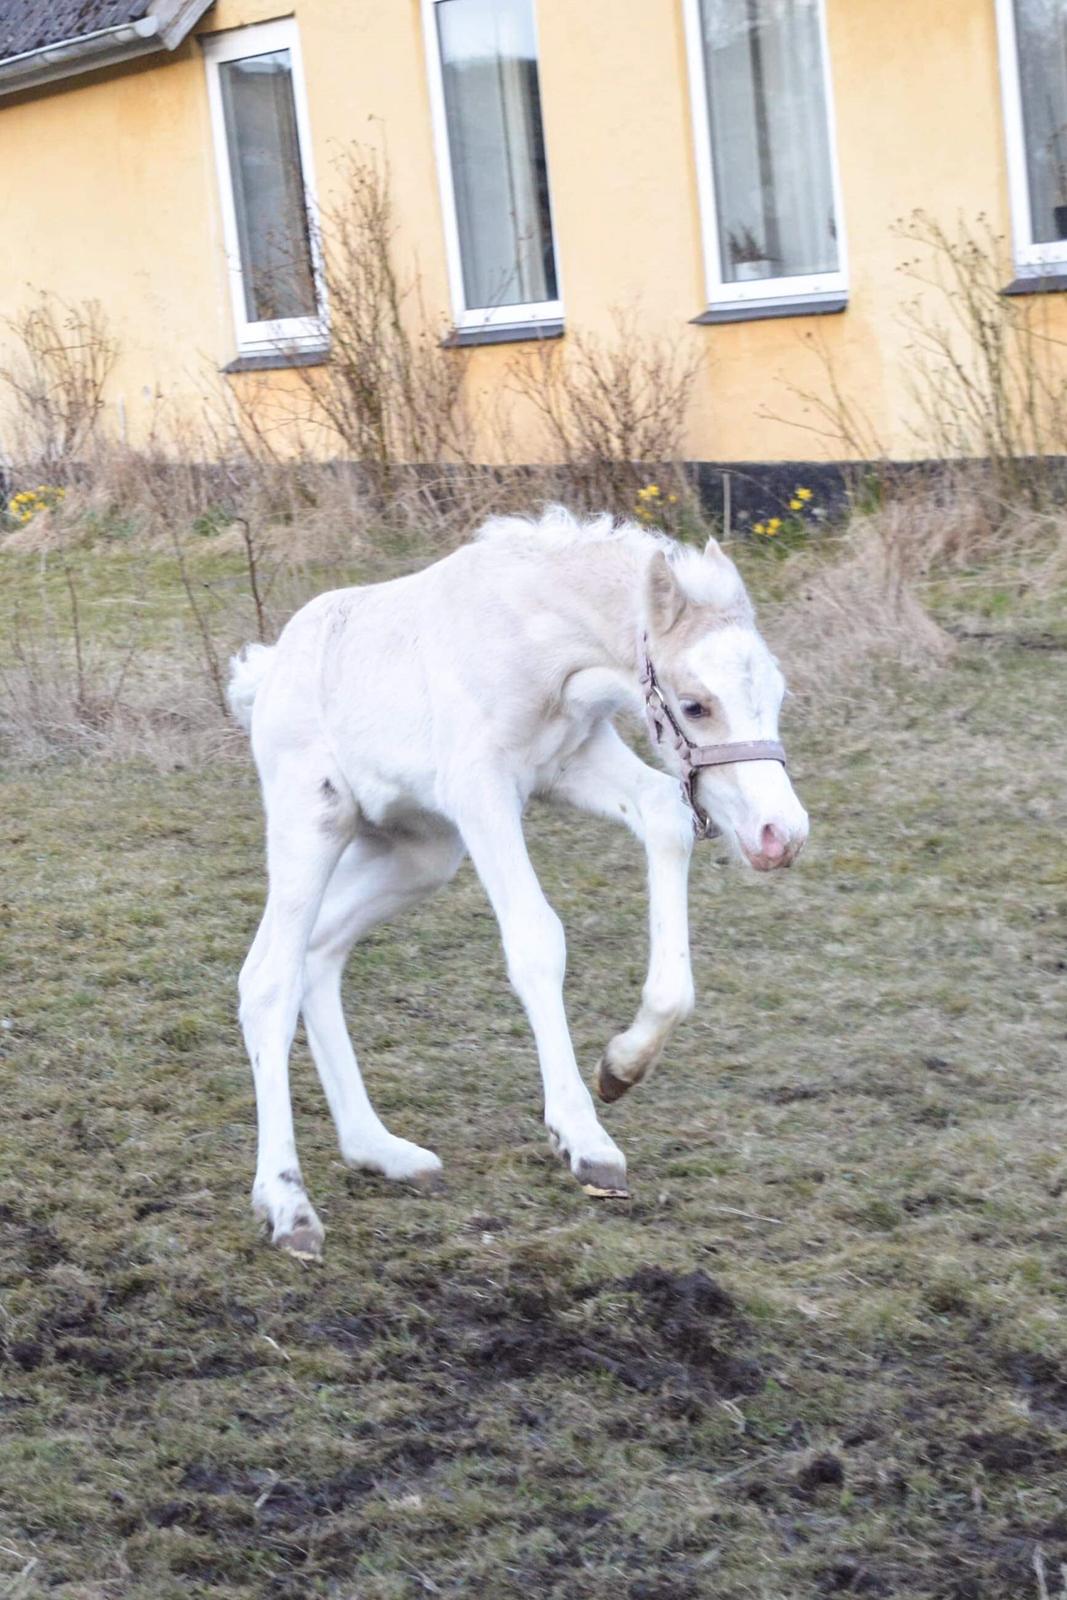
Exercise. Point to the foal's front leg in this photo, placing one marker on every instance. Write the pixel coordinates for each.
(489, 816)
(607, 778)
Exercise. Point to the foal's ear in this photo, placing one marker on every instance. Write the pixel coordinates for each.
(713, 550)
(664, 600)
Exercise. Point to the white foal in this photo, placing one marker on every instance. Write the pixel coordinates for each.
(400, 726)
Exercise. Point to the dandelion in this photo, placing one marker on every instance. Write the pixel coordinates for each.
(796, 505)
(648, 500)
(803, 494)
(759, 527)
(773, 524)
(24, 506)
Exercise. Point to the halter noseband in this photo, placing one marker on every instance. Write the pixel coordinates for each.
(693, 757)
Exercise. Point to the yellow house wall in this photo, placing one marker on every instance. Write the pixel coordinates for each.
(108, 190)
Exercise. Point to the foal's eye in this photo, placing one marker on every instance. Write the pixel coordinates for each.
(694, 710)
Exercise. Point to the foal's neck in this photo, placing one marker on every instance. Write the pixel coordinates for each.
(606, 581)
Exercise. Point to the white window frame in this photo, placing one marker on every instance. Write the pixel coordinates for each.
(537, 311)
(237, 44)
(767, 293)
(1031, 260)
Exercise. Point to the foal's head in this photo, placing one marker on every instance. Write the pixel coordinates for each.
(724, 687)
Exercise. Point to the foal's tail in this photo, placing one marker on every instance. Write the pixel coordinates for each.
(247, 670)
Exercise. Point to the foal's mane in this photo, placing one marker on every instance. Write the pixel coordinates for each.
(713, 581)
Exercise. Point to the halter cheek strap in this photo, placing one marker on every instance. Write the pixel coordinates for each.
(665, 729)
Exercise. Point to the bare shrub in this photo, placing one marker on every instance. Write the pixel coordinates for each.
(986, 375)
(833, 413)
(388, 396)
(987, 379)
(58, 360)
(614, 410)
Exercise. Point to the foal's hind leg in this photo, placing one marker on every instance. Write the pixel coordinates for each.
(372, 882)
(301, 854)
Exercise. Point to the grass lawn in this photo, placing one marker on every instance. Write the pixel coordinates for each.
(822, 1351)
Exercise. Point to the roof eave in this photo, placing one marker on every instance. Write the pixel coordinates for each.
(177, 18)
(168, 22)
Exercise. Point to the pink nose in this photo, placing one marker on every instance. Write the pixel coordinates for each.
(772, 843)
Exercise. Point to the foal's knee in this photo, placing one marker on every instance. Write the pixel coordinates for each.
(261, 990)
(537, 953)
(669, 825)
(254, 999)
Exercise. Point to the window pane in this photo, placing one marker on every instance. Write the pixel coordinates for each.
(1041, 29)
(268, 187)
(769, 138)
(499, 172)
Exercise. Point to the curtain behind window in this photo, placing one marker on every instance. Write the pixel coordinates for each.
(268, 187)
(769, 138)
(1041, 31)
(496, 146)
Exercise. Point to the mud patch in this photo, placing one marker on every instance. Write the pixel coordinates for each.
(26, 1246)
(1003, 1452)
(682, 1336)
(1043, 1382)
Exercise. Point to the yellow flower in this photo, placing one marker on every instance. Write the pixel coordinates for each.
(803, 494)
(671, 499)
(652, 489)
(796, 505)
(773, 524)
(759, 527)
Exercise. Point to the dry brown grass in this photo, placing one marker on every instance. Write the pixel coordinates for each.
(118, 645)
(902, 580)
(859, 601)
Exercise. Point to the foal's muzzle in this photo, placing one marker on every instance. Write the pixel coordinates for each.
(777, 848)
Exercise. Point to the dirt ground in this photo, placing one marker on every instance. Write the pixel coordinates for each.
(823, 1350)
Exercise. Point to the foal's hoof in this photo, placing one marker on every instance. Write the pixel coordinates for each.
(603, 1180)
(398, 1160)
(431, 1180)
(607, 1085)
(282, 1203)
(305, 1243)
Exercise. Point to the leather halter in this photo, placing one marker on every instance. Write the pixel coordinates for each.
(694, 757)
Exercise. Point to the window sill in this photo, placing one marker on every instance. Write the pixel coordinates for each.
(1054, 281)
(801, 305)
(502, 333)
(272, 359)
